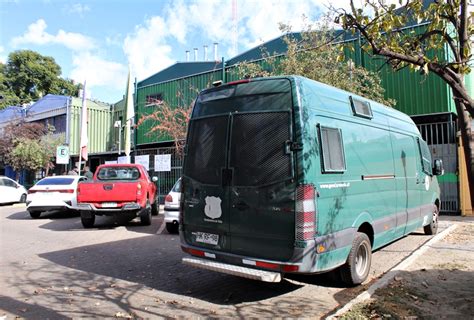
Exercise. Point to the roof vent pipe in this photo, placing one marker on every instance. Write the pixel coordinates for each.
(187, 55)
(195, 54)
(215, 51)
(205, 52)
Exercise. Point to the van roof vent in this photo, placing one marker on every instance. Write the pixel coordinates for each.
(361, 108)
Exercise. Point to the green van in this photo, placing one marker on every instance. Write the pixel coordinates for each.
(289, 175)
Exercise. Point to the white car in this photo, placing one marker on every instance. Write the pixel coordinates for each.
(53, 193)
(11, 191)
(172, 208)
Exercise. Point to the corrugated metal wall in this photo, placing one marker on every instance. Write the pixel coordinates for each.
(98, 132)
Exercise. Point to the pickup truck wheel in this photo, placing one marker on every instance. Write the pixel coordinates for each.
(357, 267)
(145, 215)
(87, 219)
(35, 214)
(154, 207)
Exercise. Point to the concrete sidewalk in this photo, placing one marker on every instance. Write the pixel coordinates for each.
(436, 281)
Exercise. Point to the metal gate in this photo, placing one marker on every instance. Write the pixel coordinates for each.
(441, 139)
(166, 179)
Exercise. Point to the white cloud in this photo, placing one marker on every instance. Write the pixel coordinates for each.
(78, 8)
(147, 48)
(97, 71)
(36, 34)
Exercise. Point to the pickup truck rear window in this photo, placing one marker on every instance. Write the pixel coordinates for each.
(118, 173)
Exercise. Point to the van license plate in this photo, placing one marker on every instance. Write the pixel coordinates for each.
(207, 237)
(109, 205)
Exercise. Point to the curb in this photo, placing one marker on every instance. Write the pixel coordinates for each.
(382, 282)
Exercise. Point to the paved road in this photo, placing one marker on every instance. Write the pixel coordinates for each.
(53, 268)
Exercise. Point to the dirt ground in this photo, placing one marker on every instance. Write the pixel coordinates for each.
(439, 285)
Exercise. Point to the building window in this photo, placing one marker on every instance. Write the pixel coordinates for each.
(154, 100)
(332, 149)
(361, 108)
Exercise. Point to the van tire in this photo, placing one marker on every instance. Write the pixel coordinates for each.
(34, 214)
(88, 222)
(357, 267)
(172, 228)
(432, 228)
(145, 214)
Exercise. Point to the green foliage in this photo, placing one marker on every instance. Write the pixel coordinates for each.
(27, 76)
(27, 154)
(315, 56)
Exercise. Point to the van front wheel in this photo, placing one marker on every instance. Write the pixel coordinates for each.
(357, 267)
(432, 228)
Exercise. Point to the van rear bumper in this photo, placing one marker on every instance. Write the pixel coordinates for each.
(249, 273)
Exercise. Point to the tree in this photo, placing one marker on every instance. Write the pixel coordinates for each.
(448, 24)
(315, 56)
(26, 154)
(170, 122)
(27, 76)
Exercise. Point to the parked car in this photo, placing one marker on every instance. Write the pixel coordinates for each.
(124, 190)
(172, 208)
(11, 191)
(289, 175)
(53, 193)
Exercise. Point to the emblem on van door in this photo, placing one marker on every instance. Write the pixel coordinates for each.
(213, 207)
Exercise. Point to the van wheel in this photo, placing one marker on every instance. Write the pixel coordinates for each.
(357, 267)
(172, 228)
(145, 214)
(432, 228)
(87, 219)
(35, 214)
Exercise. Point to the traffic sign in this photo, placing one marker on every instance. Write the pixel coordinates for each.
(62, 155)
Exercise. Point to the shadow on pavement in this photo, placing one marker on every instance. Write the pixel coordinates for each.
(24, 215)
(25, 310)
(155, 261)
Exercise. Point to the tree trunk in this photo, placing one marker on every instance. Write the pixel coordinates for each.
(468, 144)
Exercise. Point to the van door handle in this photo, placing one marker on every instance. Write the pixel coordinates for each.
(241, 206)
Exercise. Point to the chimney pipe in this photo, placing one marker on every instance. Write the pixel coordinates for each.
(205, 52)
(215, 51)
(195, 54)
(187, 55)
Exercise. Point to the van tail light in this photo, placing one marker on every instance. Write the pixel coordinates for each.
(168, 198)
(139, 189)
(305, 212)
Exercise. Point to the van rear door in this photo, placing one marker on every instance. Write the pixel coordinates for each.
(239, 182)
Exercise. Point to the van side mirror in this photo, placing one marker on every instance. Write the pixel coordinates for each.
(154, 179)
(438, 169)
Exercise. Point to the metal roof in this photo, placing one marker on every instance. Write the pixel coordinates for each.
(11, 113)
(180, 70)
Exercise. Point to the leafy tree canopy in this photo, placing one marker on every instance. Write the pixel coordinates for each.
(27, 76)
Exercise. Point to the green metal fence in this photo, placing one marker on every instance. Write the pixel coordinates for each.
(166, 179)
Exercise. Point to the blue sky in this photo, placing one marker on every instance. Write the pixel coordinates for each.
(96, 41)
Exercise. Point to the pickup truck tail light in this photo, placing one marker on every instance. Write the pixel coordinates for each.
(78, 189)
(139, 189)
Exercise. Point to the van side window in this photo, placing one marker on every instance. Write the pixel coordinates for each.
(332, 149)
(425, 157)
(361, 108)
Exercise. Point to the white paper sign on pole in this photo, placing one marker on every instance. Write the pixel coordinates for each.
(110, 162)
(123, 160)
(144, 161)
(163, 162)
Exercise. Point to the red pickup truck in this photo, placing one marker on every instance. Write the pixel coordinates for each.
(124, 190)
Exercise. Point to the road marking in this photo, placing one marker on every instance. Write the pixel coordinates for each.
(382, 282)
(162, 227)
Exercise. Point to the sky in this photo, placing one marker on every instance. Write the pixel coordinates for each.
(98, 41)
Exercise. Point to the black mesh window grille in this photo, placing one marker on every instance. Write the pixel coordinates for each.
(257, 153)
(206, 149)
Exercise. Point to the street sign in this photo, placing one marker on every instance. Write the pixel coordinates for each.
(62, 155)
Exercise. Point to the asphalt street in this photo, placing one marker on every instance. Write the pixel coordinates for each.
(53, 268)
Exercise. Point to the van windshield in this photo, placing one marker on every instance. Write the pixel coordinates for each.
(239, 136)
